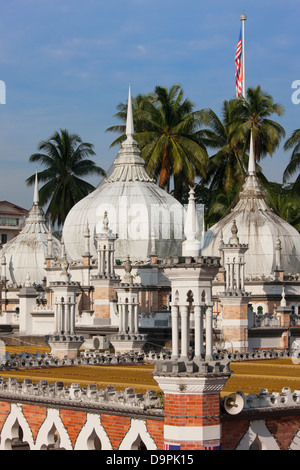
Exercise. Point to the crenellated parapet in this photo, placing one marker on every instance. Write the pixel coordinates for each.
(62, 395)
(264, 400)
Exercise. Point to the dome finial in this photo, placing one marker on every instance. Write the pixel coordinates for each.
(36, 192)
(129, 121)
(251, 164)
(234, 231)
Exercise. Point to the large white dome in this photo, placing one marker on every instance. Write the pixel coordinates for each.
(144, 217)
(260, 228)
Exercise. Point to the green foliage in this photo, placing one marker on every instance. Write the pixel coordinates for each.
(229, 138)
(285, 202)
(293, 142)
(166, 130)
(65, 158)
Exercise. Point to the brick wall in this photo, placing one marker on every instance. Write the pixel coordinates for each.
(74, 421)
(278, 432)
(191, 410)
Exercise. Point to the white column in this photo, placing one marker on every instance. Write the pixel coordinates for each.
(124, 318)
(62, 316)
(72, 320)
(130, 318)
(136, 317)
(107, 259)
(99, 261)
(120, 318)
(184, 330)
(199, 340)
(231, 283)
(242, 275)
(112, 270)
(227, 275)
(175, 332)
(67, 316)
(56, 307)
(198, 330)
(209, 333)
(238, 276)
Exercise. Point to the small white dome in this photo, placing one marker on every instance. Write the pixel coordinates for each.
(25, 254)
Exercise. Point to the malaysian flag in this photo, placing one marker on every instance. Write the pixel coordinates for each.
(172, 446)
(238, 67)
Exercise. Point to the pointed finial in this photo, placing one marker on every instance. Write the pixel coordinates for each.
(105, 222)
(251, 163)
(283, 300)
(128, 278)
(36, 192)
(234, 231)
(191, 246)
(27, 280)
(65, 275)
(129, 121)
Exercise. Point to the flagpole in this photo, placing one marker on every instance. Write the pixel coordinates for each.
(243, 18)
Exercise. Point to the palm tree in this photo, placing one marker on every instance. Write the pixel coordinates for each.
(229, 137)
(285, 202)
(165, 129)
(293, 142)
(65, 158)
(253, 114)
(227, 166)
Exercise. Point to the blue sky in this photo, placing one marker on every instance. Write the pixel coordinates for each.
(67, 64)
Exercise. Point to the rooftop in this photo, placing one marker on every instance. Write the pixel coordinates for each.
(249, 376)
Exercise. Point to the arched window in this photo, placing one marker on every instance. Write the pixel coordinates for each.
(54, 440)
(94, 442)
(138, 444)
(256, 444)
(17, 442)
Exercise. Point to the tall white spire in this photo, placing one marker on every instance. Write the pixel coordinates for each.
(251, 163)
(129, 166)
(129, 121)
(36, 192)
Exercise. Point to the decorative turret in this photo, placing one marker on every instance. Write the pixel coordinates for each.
(234, 299)
(234, 261)
(106, 279)
(191, 246)
(64, 341)
(128, 337)
(105, 250)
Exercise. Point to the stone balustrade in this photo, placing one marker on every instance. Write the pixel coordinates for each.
(74, 394)
(284, 399)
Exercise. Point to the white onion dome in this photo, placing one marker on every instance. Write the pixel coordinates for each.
(260, 228)
(23, 257)
(144, 216)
